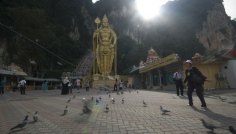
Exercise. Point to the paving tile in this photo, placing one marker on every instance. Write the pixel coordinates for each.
(128, 118)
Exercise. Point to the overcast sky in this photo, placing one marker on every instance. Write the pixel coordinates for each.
(230, 8)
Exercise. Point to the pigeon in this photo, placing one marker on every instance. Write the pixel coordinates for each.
(144, 103)
(22, 124)
(106, 88)
(73, 96)
(137, 92)
(129, 91)
(86, 105)
(164, 111)
(121, 92)
(68, 100)
(91, 98)
(107, 107)
(100, 97)
(232, 129)
(86, 110)
(113, 100)
(123, 101)
(97, 101)
(118, 93)
(174, 97)
(35, 117)
(109, 95)
(65, 110)
(222, 99)
(208, 125)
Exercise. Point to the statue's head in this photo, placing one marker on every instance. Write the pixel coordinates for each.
(105, 21)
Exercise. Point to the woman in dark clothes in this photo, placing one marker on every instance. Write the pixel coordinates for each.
(65, 89)
(191, 85)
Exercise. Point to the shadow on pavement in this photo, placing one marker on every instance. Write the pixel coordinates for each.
(217, 117)
(15, 131)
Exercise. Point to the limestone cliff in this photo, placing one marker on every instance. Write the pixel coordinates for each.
(217, 32)
(74, 33)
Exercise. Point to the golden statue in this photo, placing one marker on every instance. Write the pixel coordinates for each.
(104, 46)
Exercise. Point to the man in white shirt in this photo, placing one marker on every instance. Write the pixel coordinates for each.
(70, 87)
(78, 84)
(121, 85)
(22, 86)
(178, 82)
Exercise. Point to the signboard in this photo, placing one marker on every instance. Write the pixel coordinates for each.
(160, 63)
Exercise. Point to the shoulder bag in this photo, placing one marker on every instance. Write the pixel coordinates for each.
(197, 79)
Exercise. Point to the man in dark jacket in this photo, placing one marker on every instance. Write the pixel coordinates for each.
(189, 72)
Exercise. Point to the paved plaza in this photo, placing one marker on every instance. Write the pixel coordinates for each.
(128, 118)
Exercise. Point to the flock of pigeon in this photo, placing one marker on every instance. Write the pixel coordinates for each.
(87, 110)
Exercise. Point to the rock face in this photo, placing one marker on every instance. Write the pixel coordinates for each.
(217, 33)
(2, 50)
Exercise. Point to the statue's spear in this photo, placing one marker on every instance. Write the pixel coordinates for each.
(97, 21)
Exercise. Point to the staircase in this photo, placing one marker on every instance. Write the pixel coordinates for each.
(85, 64)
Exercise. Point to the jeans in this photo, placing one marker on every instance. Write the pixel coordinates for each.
(199, 91)
(1, 90)
(115, 87)
(179, 86)
(22, 90)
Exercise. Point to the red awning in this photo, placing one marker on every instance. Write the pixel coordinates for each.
(231, 54)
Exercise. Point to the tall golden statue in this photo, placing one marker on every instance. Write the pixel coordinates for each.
(104, 46)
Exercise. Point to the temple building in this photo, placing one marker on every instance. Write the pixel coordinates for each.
(152, 56)
(158, 72)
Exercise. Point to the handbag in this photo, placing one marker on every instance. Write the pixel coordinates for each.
(197, 79)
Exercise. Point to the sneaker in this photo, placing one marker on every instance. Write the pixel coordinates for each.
(203, 106)
(190, 105)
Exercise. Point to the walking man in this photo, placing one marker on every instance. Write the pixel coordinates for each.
(78, 84)
(2, 85)
(22, 86)
(189, 73)
(178, 82)
(121, 85)
(115, 85)
(70, 87)
(87, 85)
(45, 86)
